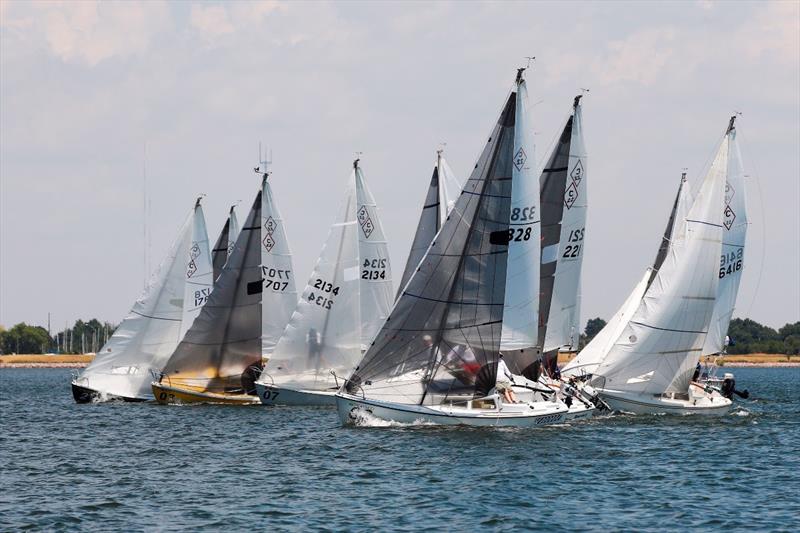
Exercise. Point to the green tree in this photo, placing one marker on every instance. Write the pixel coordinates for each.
(23, 338)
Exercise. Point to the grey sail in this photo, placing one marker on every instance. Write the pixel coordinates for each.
(427, 228)
(219, 254)
(553, 184)
(663, 248)
(450, 314)
(224, 343)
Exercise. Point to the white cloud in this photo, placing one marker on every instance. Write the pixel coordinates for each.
(213, 21)
(640, 57)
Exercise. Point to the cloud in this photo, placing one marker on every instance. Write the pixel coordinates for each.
(213, 21)
(639, 58)
(87, 33)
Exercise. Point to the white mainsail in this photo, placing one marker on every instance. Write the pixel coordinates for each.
(662, 342)
(348, 297)
(146, 338)
(521, 305)
(449, 186)
(199, 272)
(734, 235)
(564, 206)
(279, 296)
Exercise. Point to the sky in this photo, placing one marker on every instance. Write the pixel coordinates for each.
(93, 93)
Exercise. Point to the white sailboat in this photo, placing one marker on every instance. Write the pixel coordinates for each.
(474, 293)
(644, 362)
(149, 334)
(225, 242)
(442, 193)
(347, 299)
(221, 355)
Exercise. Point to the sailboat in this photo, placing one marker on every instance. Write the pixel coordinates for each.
(442, 193)
(564, 200)
(149, 334)
(473, 294)
(346, 300)
(731, 266)
(221, 355)
(645, 361)
(225, 242)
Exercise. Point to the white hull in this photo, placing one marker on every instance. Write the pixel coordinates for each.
(640, 404)
(275, 395)
(352, 408)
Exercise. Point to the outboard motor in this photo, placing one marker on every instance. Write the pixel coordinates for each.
(729, 388)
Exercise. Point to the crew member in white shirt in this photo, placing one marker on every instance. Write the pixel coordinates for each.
(504, 381)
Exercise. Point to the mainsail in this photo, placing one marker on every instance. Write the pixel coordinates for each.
(225, 341)
(662, 342)
(224, 245)
(564, 205)
(733, 241)
(442, 192)
(149, 334)
(348, 297)
(445, 331)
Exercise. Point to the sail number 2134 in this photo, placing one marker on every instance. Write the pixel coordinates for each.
(323, 300)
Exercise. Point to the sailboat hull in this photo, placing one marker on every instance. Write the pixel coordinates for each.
(275, 395)
(83, 394)
(353, 410)
(165, 394)
(699, 403)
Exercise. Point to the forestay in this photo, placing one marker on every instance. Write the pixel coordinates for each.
(444, 333)
(223, 345)
(149, 334)
(734, 233)
(564, 196)
(661, 344)
(348, 297)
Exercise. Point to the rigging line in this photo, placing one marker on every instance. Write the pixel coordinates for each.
(763, 227)
(665, 329)
(156, 317)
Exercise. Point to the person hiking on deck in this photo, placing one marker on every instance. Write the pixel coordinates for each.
(504, 381)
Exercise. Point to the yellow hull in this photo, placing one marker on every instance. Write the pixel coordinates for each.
(165, 394)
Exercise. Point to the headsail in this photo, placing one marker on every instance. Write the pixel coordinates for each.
(661, 344)
(564, 205)
(144, 341)
(225, 341)
(734, 235)
(348, 296)
(444, 334)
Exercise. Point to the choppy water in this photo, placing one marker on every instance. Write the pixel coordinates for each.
(150, 467)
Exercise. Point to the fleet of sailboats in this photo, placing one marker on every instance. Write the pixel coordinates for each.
(489, 296)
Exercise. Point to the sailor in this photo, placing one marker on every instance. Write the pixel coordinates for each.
(505, 379)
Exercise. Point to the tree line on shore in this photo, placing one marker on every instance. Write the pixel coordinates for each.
(82, 337)
(746, 336)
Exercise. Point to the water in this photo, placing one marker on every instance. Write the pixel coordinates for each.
(150, 467)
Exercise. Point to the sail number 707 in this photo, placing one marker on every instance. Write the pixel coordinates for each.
(275, 278)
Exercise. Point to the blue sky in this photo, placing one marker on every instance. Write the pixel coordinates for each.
(84, 87)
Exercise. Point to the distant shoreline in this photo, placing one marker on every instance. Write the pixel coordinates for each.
(81, 361)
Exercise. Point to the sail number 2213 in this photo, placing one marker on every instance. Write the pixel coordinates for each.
(573, 250)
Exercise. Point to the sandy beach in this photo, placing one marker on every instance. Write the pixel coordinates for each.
(80, 361)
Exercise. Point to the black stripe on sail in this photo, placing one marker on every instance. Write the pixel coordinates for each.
(557, 169)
